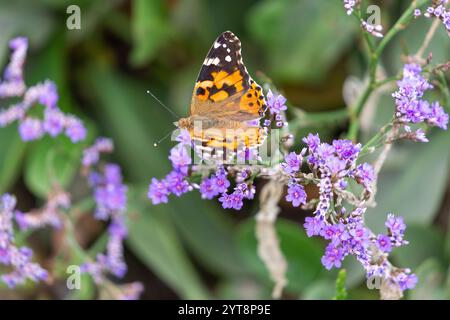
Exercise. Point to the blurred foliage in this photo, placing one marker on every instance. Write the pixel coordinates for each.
(196, 249)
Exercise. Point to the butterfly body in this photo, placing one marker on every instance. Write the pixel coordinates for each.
(226, 103)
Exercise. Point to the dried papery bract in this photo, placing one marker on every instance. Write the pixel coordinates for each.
(268, 243)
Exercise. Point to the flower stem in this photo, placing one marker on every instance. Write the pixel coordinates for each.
(355, 111)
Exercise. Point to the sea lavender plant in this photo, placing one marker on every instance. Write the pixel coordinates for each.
(331, 167)
(45, 93)
(16, 258)
(438, 9)
(110, 197)
(109, 192)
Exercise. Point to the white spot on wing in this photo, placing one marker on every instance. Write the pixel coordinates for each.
(216, 45)
(228, 58)
(215, 61)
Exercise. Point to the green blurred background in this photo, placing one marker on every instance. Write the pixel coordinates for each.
(191, 248)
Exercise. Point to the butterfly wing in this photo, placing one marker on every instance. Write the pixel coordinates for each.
(224, 88)
(227, 99)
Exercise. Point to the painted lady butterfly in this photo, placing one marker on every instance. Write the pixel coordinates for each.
(226, 103)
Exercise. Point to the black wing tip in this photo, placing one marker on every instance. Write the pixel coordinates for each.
(228, 35)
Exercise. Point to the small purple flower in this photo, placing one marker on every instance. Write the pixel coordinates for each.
(220, 181)
(49, 95)
(177, 184)
(276, 103)
(395, 225)
(110, 197)
(296, 194)
(365, 174)
(180, 158)
(359, 234)
(53, 122)
(292, 163)
(417, 13)
(31, 129)
(312, 141)
(333, 257)
(437, 116)
(91, 155)
(345, 149)
(208, 189)
(158, 191)
(184, 137)
(407, 281)
(313, 226)
(232, 201)
(384, 243)
(75, 129)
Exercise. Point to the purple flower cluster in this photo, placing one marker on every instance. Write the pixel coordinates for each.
(54, 122)
(13, 83)
(276, 104)
(19, 259)
(175, 182)
(332, 164)
(410, 105)
(213, 184)
(349, 236)
(91, 155)
(47, 216)
(437, 10)
(110, 195)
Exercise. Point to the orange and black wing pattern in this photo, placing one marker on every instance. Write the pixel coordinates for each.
(224, 87)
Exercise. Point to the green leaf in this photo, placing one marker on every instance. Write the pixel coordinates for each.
(424, 243)
(51, 162)
(303, 39)
(150, 29)
(302, 254)
(430, 285)
(412, 182)
(19, 18)
(11, 156)
(319, 290)
(154, 240)
(208, 231)
(341, 292)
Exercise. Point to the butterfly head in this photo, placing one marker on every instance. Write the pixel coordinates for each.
(184, 123)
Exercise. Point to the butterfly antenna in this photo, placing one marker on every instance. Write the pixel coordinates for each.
(161, 140)
(162, 104)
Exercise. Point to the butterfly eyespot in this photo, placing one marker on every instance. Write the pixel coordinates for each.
(261, 97)
(249, 95)
(258, 88)
(250, 104)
